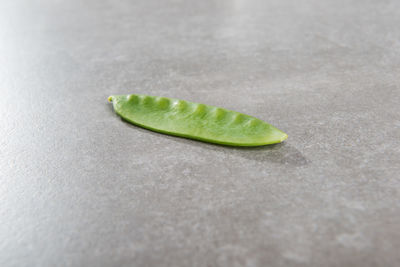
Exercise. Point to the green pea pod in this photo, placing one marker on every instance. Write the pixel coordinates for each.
(195, 121)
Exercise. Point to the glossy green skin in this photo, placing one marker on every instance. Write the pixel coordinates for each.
(195, 121)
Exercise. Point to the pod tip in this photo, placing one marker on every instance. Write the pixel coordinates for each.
(110, 99)
(284, 137)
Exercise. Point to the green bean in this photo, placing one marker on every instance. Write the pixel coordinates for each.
(195, 121)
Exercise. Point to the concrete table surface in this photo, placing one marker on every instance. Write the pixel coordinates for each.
(80, 187)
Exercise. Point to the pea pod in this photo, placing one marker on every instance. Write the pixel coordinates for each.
(195, 121)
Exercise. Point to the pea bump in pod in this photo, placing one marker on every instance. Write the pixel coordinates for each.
(195, 121)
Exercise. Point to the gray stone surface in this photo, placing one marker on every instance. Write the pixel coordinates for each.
(79, 187)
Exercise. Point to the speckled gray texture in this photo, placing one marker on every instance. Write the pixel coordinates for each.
(79, 187)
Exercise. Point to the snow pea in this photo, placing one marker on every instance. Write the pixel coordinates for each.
(195, 121)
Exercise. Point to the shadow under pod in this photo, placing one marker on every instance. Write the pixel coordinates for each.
(282, 153)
